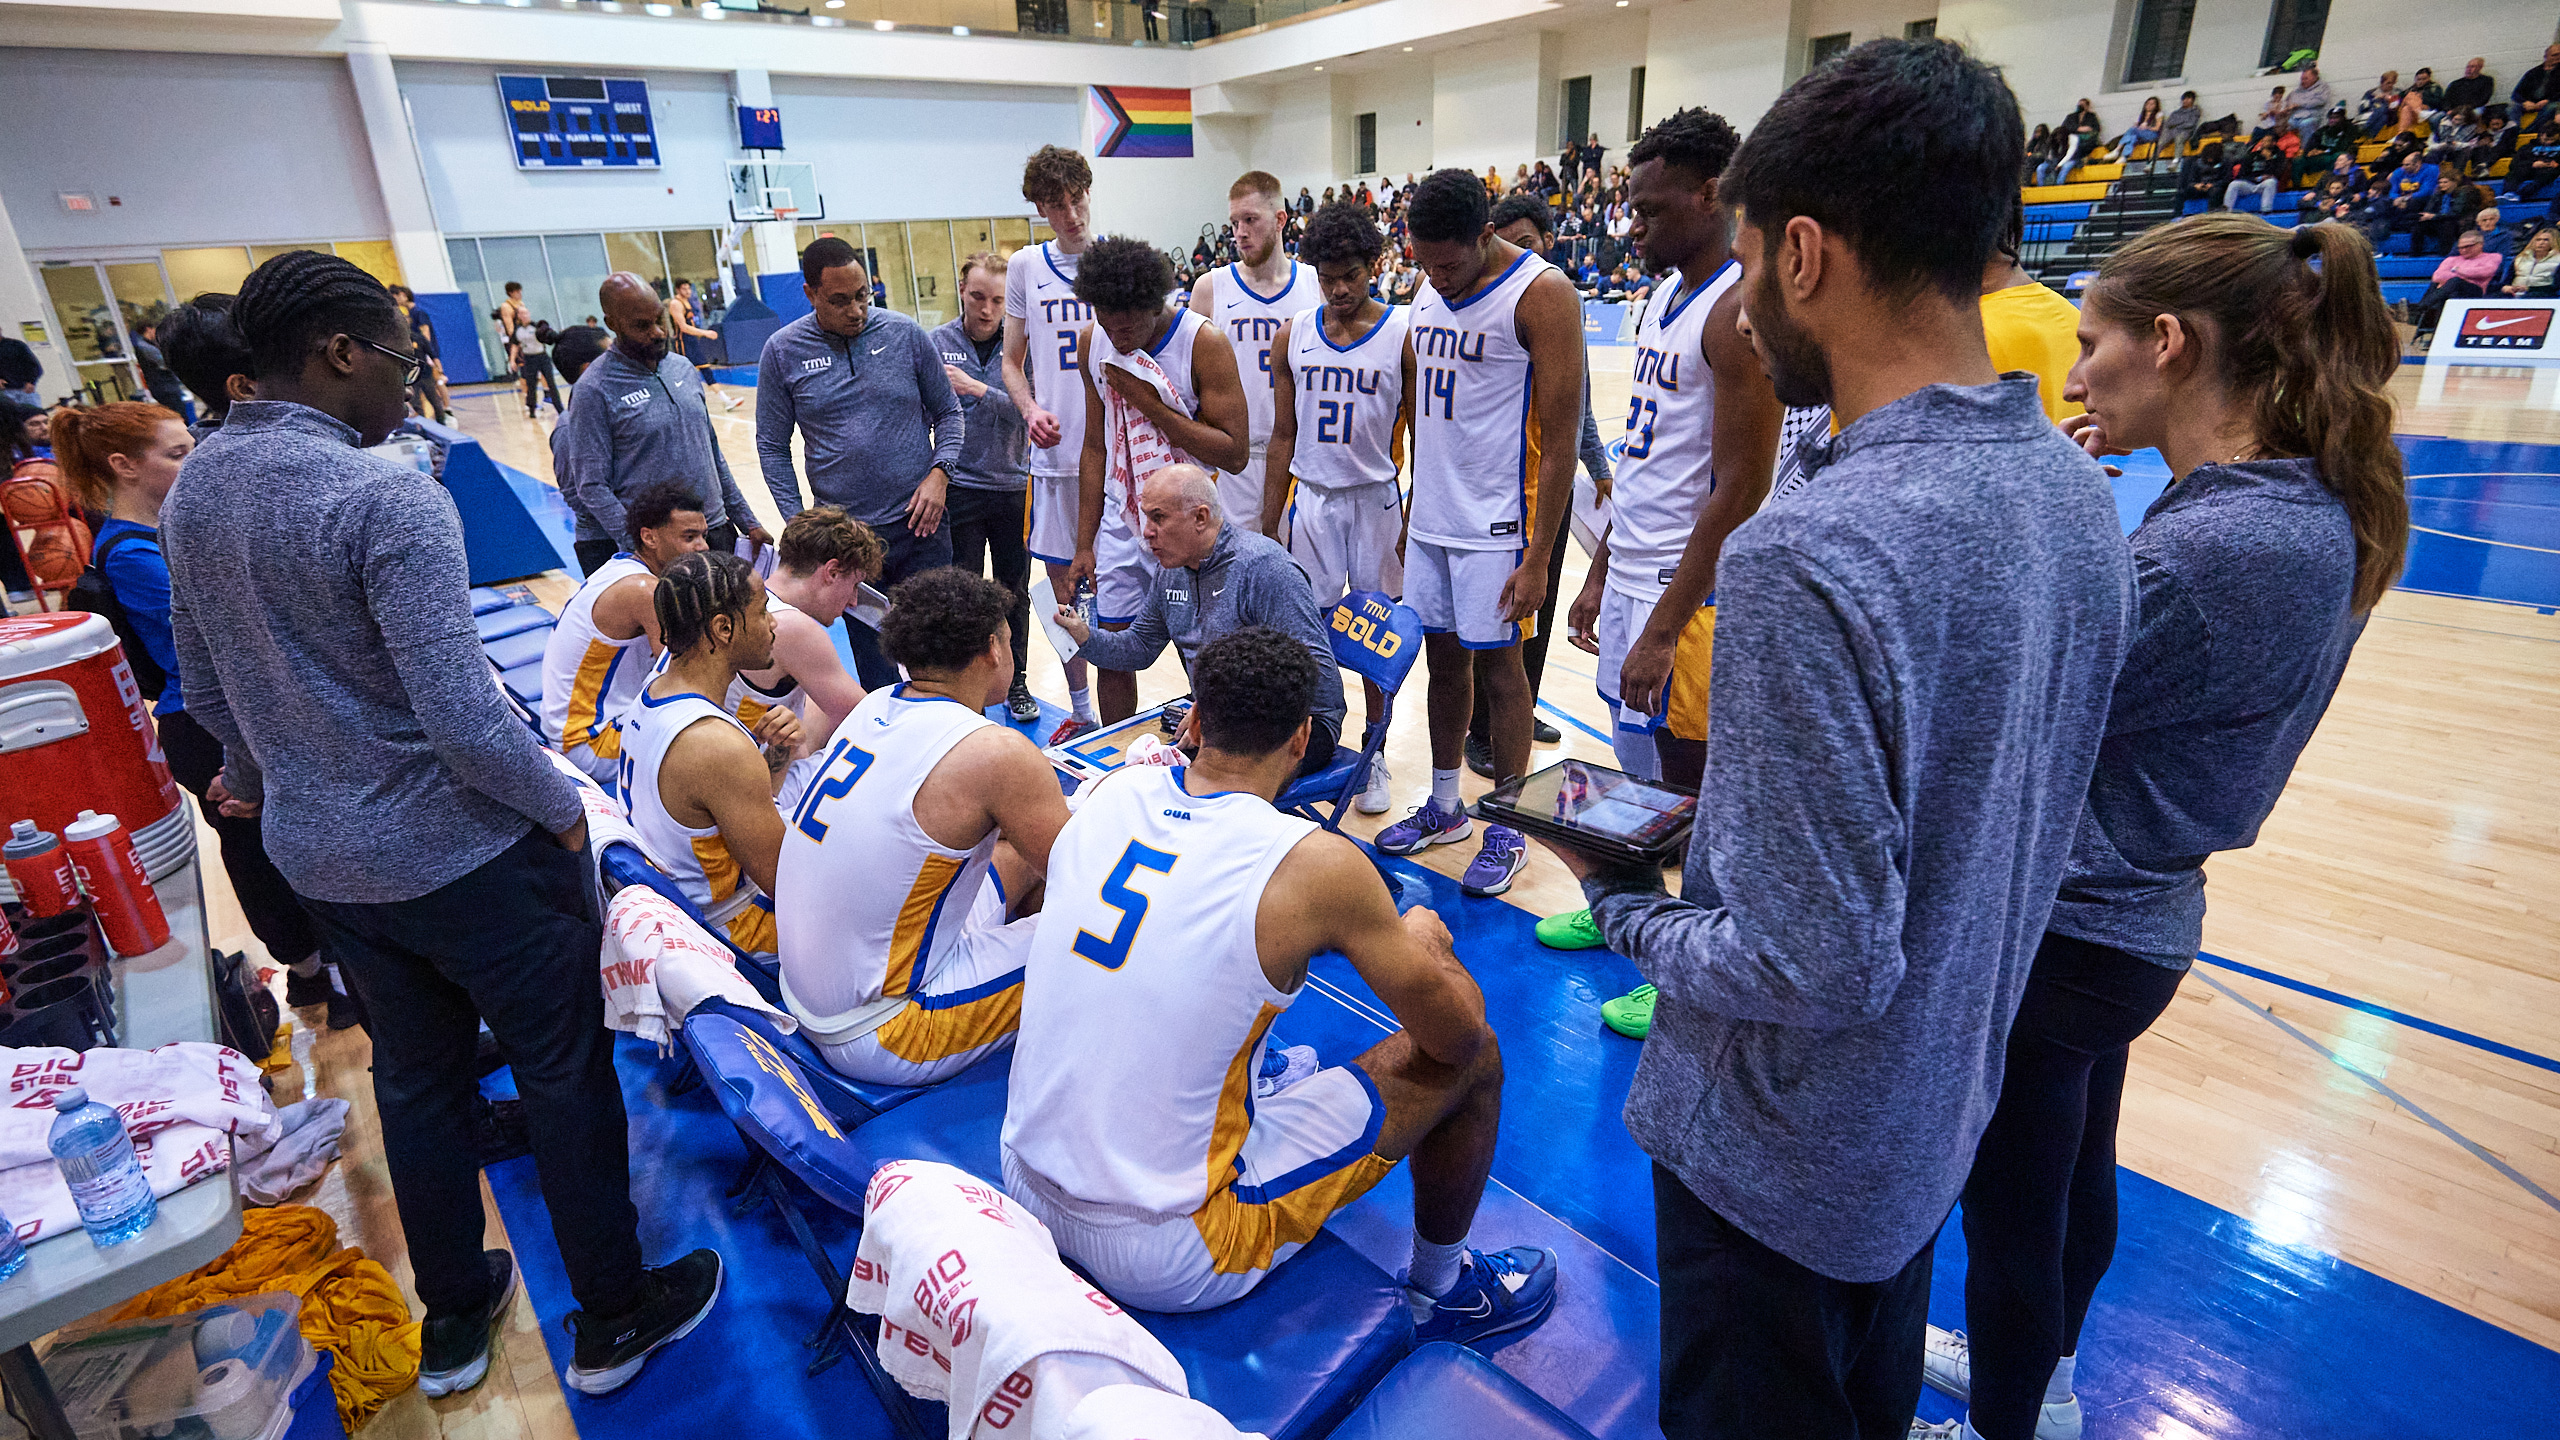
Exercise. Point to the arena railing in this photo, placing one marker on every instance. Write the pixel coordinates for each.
(1109, 22)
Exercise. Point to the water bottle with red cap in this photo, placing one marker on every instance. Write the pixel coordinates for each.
(110, 869)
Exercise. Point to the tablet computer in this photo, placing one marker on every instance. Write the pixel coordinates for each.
(1605, 812)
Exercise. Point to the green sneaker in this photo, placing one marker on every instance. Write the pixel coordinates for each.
(1630, 1014)
(1574, 931)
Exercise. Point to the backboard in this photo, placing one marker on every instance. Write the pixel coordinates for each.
(775, 190)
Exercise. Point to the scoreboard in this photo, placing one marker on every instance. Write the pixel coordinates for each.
(566, 122)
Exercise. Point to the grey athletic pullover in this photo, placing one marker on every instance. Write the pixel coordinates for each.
(338, 664)
(995, 454)
(630, 427)
(875, 413)
(1246, 579)
(2243, 574)
(1913, 659)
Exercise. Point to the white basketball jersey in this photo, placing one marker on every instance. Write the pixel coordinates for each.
(1144, 1005)
(698, 859)
(1351, 401)
(588, 678)
(747, 701)
(865, 895)
(1475, 430)
(1669, 467)
(1172, 355)
(1253, 321)
(1040, 289)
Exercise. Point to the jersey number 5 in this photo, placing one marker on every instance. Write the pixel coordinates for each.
(1111, 954)
(844, 766)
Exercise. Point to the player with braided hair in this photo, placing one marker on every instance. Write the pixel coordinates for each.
(699, 784)
(416, 818)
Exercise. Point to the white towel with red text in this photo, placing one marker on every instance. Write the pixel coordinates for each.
(977, 1311)
(180, 1102)
(1133, 447)
(658, 964)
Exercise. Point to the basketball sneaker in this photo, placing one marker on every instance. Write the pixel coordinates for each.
(1574, 930)
(1943, 1430)
(1283, 1067)
(454, 1349)
(1946, 1362)
(1375, 797)
(1630, 1014)
(1430, 824)
(674, 1298)
(1021, 704)
(1504, 854)
(1504, 1291)
(1070, 728)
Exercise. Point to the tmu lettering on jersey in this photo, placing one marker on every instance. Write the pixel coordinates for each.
(1059, 312)
(1257, 329)
(1658, 367)
(1444, 342)
(1337, 379)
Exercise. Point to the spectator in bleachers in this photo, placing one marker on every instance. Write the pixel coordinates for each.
(2494, 237)
(2329, 202)
(2426, 92)
(2411, 187)
(2536, 170)
(2038, 144)
(2537, 273)
(2466, 274)
(2145, 129)
(2077, 136)
(2538, 86)
(2447, 213)
(2254, 173)
(2310, 101)
(2201, 177)
(2497, 141)
(2271, 116)
(2454, 139)
(2475, 88)
(2335, 139)
(2183, 123)
(2379, 107)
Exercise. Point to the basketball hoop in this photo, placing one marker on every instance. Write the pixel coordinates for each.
(786, 213)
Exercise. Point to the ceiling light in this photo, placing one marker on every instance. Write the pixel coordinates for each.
(835, 4)
(960, 30)
(659, 9)
(1319, 69)
(884, 25)
(1408, 49)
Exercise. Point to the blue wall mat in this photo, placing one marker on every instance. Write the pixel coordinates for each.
(782, 292)
(501, 540)
(457, 336)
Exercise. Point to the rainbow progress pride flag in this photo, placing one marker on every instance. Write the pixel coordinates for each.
(1137, 122)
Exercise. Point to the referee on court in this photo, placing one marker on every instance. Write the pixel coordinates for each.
(878, 422)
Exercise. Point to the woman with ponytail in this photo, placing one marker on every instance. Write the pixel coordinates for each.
(2254, 360)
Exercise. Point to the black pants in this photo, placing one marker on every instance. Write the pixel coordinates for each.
(908, 555)
(1533, 651)
(991, 520)
(274, 912)
(1754, 1344)
(2040, 1205)
(537, 368)
(513, 943)
(2430, 306)
(593, 553)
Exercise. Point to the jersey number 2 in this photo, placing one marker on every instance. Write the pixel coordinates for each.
(1111, 954)
(1333, 421)
(829, 784)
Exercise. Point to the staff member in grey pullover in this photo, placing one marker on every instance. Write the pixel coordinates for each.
(1217, 578)
(991, 479)
(429, 835)
(638, 416)
(2281, 528)
(877, 420)
(1913, 657)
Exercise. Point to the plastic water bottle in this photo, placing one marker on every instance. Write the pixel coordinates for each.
(13, 1251)
(97, 1159)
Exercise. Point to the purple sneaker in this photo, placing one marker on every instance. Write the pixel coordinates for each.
(1428, 825)
(1504, 854)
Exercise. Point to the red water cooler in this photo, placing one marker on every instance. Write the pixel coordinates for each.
(75, 734)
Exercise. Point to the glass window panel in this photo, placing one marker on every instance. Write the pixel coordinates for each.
(474, 280)
(518, 259)
(216, 269)
(695, 255)
(1012, 232)
(971, 237)
(1041, 234)
(80, 309)
(578, 268)
(884, 251)
(374, 257)
(141, 293)
(636, 251)
(937, 272)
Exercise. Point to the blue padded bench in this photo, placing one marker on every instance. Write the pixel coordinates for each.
(484, 600)
(514, 652)
(1289, 1360)
(524, 682)
(1449, 1392)
(510, 620)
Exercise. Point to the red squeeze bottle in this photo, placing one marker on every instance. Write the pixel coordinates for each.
(111, 871)
(41, 869)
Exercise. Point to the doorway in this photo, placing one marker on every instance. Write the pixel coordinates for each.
(1577, 111)
(99, 308)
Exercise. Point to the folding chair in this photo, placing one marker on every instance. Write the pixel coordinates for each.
(1377, 639)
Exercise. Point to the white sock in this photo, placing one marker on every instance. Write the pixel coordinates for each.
(1444, 787)
(1081, 701)
(2058, 1389)
(1435, 1267)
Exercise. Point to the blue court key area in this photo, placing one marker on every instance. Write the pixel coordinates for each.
(2203, 1326)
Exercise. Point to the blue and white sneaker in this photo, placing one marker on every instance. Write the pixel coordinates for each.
(1430, 824)
(1507, 1290)
(1504, 854)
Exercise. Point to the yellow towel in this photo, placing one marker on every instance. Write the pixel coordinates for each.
(350, 1305)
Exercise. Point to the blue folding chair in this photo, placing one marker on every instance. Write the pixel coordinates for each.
(1377, 639)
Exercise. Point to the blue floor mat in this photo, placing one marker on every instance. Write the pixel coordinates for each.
(2203, 1324)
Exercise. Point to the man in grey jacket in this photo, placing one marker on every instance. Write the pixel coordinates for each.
(1914, 656)
(429, 835)
(991, 481)
(1217, 578)
(878, 423)
(638, 416)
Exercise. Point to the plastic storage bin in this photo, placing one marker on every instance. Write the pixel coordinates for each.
(227, 1372)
